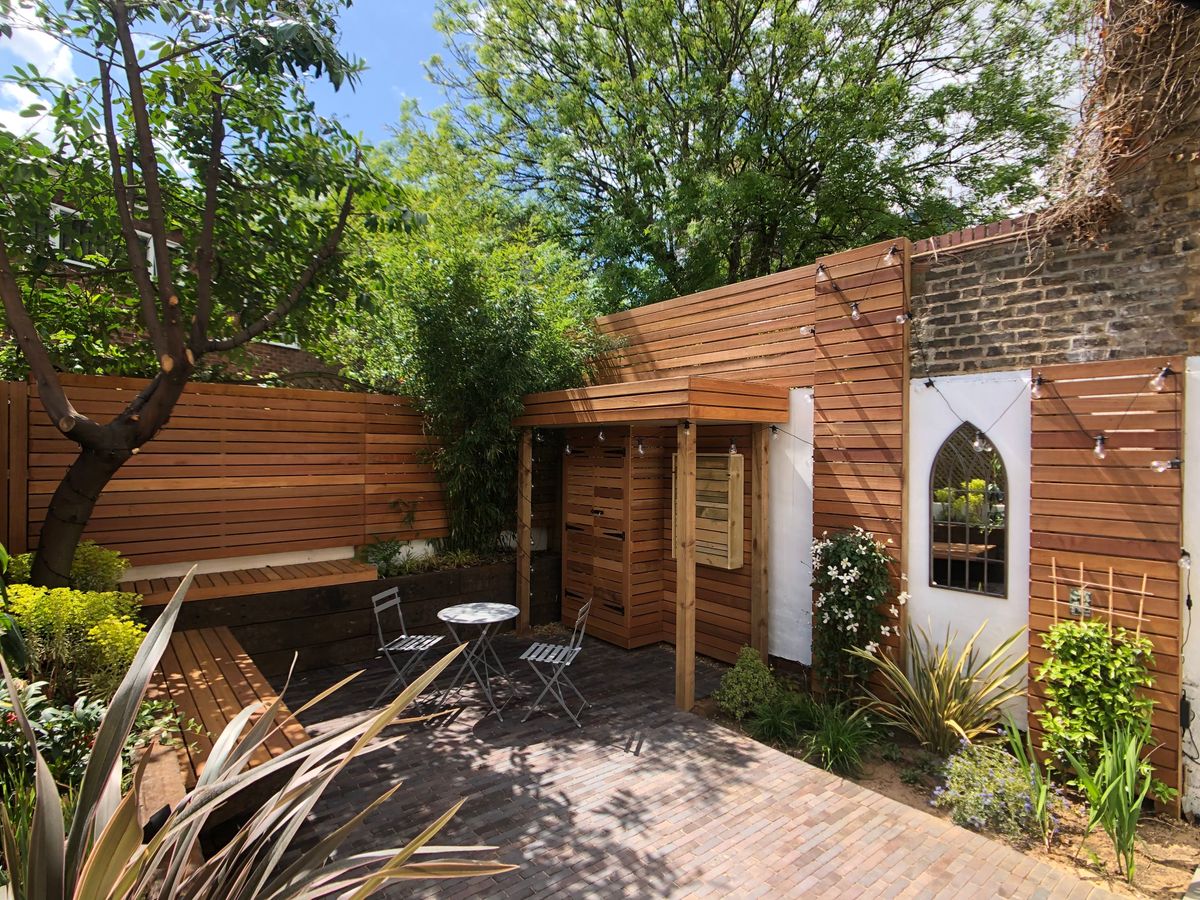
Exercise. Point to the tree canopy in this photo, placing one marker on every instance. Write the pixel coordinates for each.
(687, 145)
(466, 314)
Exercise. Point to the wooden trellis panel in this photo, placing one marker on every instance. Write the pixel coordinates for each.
(720, 480)
(243, 470)
(860, 388)
(1114, 512)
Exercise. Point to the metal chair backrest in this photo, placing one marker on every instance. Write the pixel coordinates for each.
(384, 601)
(580, 624)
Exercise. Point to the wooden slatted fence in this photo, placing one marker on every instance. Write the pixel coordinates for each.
(860, 391)
(238, 471)
(1090, 514)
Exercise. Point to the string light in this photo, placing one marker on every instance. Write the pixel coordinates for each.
(854, 313)
(808, 330)
(1185, 560)
(1035, 386)
(732, 447)
(641, 448)
(980, 444)
(1159, 381)
(822, 272)
(600, 436)
(774, 432)
(889, 258)
(904, 317)
(567, 449)
(1099, 447)
(687, 425)
(1165, 465)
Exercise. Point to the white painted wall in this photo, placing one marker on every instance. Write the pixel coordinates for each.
(1191, 543)
(981, 400)
(790, 553)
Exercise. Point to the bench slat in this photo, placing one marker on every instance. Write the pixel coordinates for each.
(260, 580)
(209, 677)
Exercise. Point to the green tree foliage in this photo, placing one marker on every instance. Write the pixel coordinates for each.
(687, 145)
(467, 314)
(185, 168)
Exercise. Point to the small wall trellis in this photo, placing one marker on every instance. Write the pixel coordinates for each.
(1094, 518)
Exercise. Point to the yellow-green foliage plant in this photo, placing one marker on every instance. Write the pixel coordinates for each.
(94, 568)
(77, 641)
(101, 853)
(943, 697)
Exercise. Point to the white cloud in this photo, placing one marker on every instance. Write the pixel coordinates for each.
(31, 45)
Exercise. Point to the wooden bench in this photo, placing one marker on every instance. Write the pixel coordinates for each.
(247, 582)
(210, 679)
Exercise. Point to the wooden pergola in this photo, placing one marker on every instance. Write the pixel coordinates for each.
(687, 403)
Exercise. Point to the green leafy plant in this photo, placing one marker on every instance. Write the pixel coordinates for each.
(93, 568)
(946, 697)
(747, 685)
(12, 642)
(1116, 789)
(77, 640)
(1093, 679)
(988, 789)
(783, 717)
(925, 768)
(1044, 796)
(851, 583)
(839, 739)
(393, 558)
(101, 853)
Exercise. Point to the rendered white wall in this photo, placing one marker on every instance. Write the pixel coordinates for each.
(982, 400)
(1191, 543)
(790, 553)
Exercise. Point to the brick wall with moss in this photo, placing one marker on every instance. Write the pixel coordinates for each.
(1001, 297)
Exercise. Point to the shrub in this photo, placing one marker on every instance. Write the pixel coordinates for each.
(76, 639)
(782, 718)
(1043, 796)
(747, 685)
(851, 583)
(94, 568)
(1092, 679)
(840, 738)
(944, 697)
(394, 558)
(987, 789)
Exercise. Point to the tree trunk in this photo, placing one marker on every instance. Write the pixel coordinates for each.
(69, 511)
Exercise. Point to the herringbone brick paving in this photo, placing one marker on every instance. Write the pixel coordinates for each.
(647, 801)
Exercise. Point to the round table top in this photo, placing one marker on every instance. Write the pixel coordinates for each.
(478, 613)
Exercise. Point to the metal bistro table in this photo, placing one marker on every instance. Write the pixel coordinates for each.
(479, 659)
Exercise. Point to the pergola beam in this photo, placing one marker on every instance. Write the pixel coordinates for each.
(524, 527)
(685, 567)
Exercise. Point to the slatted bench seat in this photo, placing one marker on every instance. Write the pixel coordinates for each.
(247, 582)
(210, 679)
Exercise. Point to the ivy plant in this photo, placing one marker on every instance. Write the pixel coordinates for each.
(1092, 680)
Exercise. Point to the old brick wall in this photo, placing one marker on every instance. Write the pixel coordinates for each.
(993, 297)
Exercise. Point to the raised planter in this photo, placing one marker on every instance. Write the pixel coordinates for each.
(334, 625)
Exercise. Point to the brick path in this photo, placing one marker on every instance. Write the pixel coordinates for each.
(648, 801)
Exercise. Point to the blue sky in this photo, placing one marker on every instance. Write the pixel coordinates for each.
(394, 37)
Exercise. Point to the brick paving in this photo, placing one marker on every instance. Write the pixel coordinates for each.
(646, 801)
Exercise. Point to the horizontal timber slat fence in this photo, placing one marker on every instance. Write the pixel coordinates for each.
(238, 471)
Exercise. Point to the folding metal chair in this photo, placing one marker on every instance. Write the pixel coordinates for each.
(410, 649)
(550, 661)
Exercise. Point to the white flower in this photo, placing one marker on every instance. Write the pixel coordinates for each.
(903, 598)
(871, 647)
(894, 611)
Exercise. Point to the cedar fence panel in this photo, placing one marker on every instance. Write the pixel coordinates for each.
(1090, 514)
(242, 470)
(860, 396)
